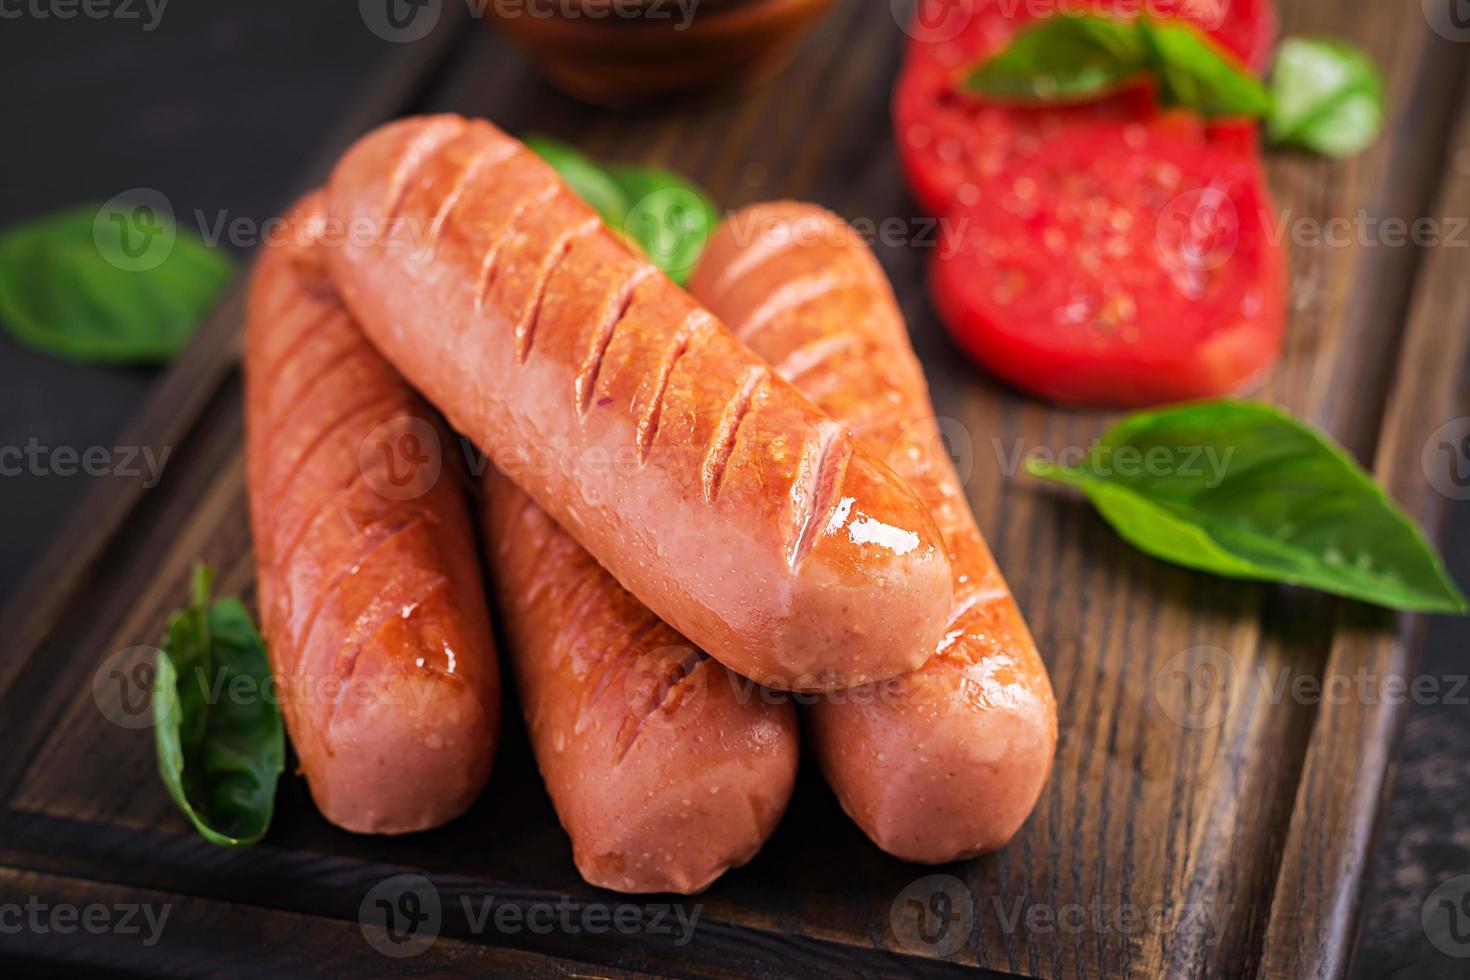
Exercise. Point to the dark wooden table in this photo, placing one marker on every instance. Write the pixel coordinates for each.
(1233, 843)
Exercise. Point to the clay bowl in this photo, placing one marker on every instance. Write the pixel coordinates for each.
(624, 53)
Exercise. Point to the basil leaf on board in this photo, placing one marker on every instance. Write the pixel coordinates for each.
(1328, 97)
(593, 184)
(221, 747)
(1063, 59)
(1196, 73)
(1246, 491)
(668, 216)
(95, 284)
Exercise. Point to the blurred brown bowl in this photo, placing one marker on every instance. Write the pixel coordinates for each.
(623, 52)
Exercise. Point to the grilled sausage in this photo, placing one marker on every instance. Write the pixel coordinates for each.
(370, 596)
(948, 761)
(709, 487)
(665, 769)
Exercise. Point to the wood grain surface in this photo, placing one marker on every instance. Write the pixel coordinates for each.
(1198, 823)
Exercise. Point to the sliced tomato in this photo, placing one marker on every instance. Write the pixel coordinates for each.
(1118, 263)
(946, 138)
(1106, 252)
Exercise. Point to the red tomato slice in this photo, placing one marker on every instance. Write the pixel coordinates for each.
(1118, 263)
(1103, 252)
(945, 138)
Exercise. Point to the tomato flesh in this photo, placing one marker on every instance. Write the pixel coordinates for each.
(944, 136)
(1122, 264)
(1103, 253)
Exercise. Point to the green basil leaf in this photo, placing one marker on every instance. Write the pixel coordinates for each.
(1246, 491)
(1194, 72)
(107, 285)
(221, 747)
(668, 216)
(591, 182)
(1078, 58)
(1063, 59)
(1328, 97)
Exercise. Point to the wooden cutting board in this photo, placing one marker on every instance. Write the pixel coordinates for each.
(1197, 823)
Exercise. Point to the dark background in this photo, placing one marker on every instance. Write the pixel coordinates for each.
(219, 109)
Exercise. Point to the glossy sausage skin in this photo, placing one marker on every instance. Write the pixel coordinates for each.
(710, 488)
(371, 601)
(666, 769)
(948, 761)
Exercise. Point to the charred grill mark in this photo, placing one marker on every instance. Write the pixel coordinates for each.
(282, 483)
(302, 636)
(816, 496)
(526, 331)
(813, 354)
(586, 382)
(308, 330)
(411, 163)
(665, 691)
(336, 359)
(343, 490)
(696, 322)
(486, 159)
(344, 667)
(610, 668)
(485, 278)
(722, 443)
(769, 242)
(797, 292)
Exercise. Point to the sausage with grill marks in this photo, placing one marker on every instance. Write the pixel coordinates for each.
(948, 761)
(666, 769)
(707, 485)
(370, 597)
